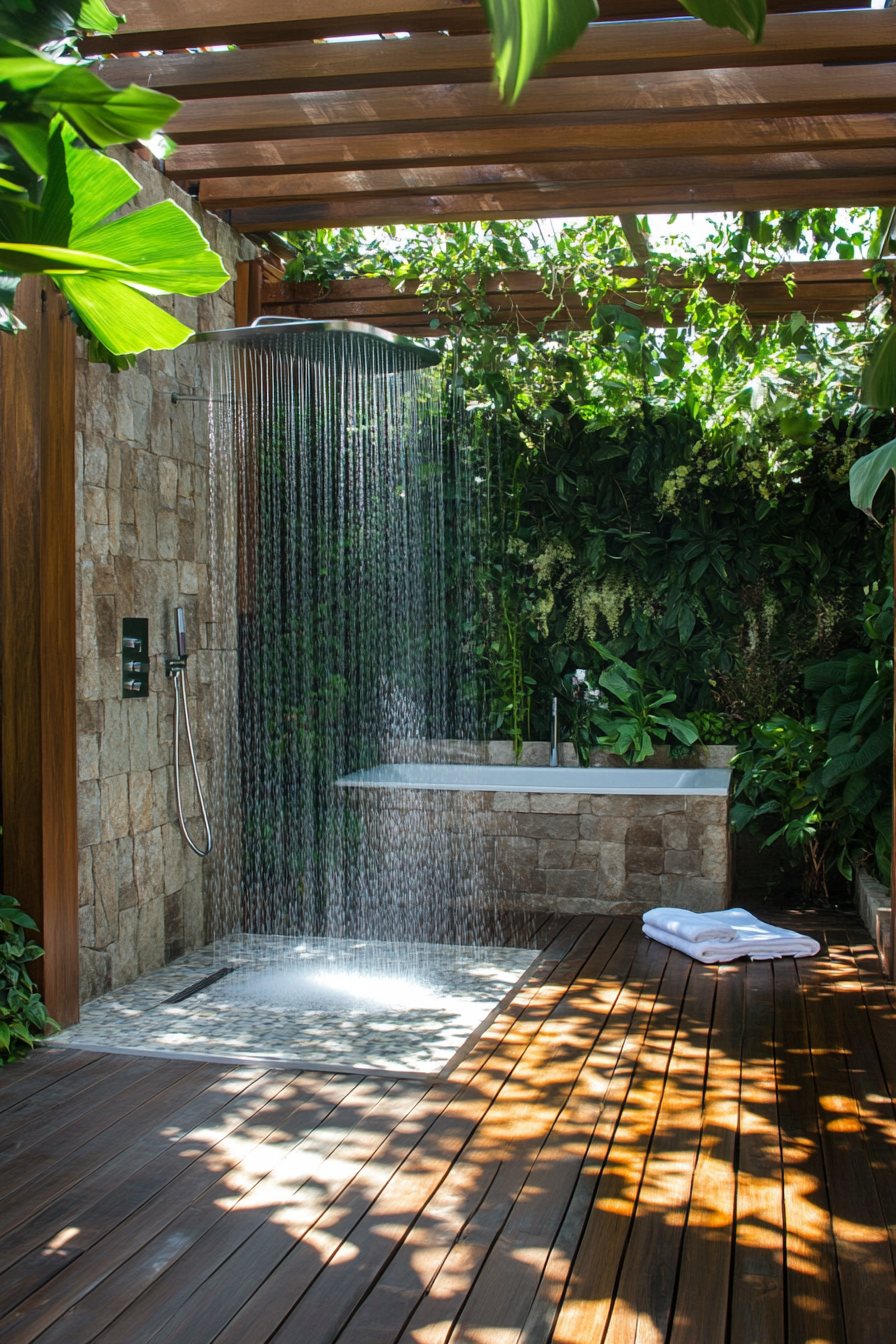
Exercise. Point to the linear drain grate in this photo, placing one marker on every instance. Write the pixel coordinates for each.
(199, 985)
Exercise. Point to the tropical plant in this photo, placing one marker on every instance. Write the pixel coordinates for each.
(56, 190)
(23, 1016)
(678, 493)
(634, 721)
(527, 33)
(779, 775)
(826, 780)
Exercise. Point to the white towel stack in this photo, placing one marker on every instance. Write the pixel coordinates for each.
(724, 935)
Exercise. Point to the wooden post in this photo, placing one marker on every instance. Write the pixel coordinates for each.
(889, 958)
(38, 728)
(247, 292)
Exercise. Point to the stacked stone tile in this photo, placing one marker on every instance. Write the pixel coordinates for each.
(573, 853)
(143, 550)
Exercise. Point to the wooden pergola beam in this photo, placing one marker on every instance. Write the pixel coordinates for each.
(170, 25)
(823, 291)
(586, 175)
(434, 59)
(500, 144)
(778, 193)
(794, 91)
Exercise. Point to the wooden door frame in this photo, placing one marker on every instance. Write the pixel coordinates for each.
(38, 667)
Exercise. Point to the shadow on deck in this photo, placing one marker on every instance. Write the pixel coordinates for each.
(640, 1149)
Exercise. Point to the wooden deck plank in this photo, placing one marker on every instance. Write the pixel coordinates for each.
(615, 1071)
(191, 1300)
(813, 1297)
(121, 1185)
(867, 1274)
(701, 1305)
(515, 1138)
(639, 1148)
(538, 1216)
(38, 1071)
(80, 1094)
(757, 1295)
(590, 1291)
(495, 1060)
(140, 1081)
(645, 1293)
(166, 1225)
(163, 1090)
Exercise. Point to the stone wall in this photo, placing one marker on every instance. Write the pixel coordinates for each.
(873, 904)
(143, 549)
(577, 853)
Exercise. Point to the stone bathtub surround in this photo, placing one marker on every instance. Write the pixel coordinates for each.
(573, 853)
(143, 549)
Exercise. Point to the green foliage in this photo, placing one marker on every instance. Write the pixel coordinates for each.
(635, 721)
(879, 375)
(677, 493)
(23, 1017)
(527, 33)
(98, 266)
(868, 474)
(40, 22)
(746, 16)
(826, 780)
(55, 191)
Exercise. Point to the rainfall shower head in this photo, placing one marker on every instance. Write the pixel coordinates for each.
(317, 340)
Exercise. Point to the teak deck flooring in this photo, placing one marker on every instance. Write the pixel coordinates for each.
(638, 1149)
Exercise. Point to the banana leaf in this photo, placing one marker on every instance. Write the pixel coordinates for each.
(866, 476)
(40, 21)
(103, 268)
(35, 89)
(527, 33)
(879, 377)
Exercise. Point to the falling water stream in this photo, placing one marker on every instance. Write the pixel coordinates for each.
(342, 587)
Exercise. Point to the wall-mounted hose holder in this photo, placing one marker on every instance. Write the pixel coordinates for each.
(177, 669)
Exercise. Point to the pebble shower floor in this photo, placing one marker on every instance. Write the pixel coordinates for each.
(363, 1004)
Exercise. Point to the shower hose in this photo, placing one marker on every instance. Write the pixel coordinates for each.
(180, 698)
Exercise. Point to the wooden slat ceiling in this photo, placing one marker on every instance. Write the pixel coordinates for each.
(824, 291)
(643, 115)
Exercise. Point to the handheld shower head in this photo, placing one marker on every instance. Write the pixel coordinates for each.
(180, 630)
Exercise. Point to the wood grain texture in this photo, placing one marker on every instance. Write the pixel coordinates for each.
(495, 144)
(391, 184)
(37, 633)
(166, 25)
(639, 1148)
(604, 49)
(797, 91)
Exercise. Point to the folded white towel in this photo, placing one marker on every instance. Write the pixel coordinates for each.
(690, 925)
(753, 939)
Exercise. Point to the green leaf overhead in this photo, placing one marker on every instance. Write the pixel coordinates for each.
(34, 89)
(527, 33)
(38, 22)
(94, 17)
(745, 16)
(102, 267)
(879, 377)
(867, 475)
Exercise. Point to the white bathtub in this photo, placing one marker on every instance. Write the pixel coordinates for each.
(541, 779)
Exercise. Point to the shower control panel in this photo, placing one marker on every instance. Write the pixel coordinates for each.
(134, 658)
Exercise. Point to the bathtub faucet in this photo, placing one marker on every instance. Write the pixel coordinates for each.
(555, 735)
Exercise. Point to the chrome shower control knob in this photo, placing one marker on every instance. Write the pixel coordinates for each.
(135, 644)
(133, 667)
(133, 685)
